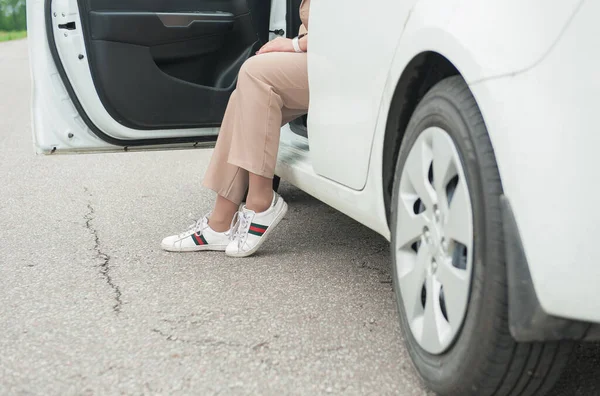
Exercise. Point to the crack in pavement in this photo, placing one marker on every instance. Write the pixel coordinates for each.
(105, 258)
(363, 262)
(210, 342)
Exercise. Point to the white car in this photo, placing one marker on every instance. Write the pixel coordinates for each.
(464, 131)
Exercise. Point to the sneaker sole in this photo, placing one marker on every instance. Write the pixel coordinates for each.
(193, 248)
(265, 235)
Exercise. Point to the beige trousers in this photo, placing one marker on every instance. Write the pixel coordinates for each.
(272, 90)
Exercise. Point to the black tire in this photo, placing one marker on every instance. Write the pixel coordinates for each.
(484, 358)
(276, 181)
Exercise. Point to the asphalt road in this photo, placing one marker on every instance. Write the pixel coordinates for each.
(91, 305)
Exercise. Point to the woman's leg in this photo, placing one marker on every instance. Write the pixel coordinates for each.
(222, 214)
(230, 182)
(272, 89)
(260, 193)
(260, 189)
(227, 180)
(267, 84)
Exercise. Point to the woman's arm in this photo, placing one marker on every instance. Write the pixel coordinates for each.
(303, 43)
(281, 44)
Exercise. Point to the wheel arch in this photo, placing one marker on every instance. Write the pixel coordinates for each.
(528, 322)
(420, 75)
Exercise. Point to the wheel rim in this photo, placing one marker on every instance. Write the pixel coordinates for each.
(434, 241)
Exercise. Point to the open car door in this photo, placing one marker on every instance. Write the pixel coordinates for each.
(117, 75)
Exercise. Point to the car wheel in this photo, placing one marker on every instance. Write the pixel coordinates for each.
(447, 247)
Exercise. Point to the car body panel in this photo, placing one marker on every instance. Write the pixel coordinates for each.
(485, 39)
(543, 128)
(348, 68)
(365, 206)
(348, 63)
(476, 59)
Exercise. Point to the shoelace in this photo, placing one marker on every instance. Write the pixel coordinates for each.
(198, 227)
(240, 224)
(235, 223)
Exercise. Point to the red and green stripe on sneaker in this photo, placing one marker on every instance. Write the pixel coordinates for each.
(257, 229)
(197, 237)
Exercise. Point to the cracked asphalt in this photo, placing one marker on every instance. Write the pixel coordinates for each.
(90, 305)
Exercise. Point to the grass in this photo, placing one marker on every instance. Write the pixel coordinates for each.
(7, 36)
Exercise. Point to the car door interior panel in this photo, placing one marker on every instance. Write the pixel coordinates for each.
(153, 28)
(159, 64)
(293, 17)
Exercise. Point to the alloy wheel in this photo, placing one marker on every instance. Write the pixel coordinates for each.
(434, 240)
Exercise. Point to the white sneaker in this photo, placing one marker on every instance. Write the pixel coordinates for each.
(198, 237)
(251, 229)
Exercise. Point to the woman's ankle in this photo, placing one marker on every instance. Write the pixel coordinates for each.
(222, 214)
(260, 193)
(260, 203)
(219, 225)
